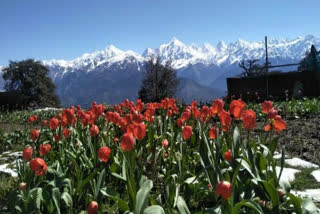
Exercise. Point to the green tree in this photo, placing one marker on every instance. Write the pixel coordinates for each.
(159, 81)
(30, 80)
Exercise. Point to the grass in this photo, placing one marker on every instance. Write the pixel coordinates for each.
(7, 184)
(304, 180)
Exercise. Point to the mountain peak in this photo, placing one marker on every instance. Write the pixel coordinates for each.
(174, 41)
(112, 48)
(222, 46)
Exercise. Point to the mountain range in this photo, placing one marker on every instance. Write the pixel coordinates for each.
(111, 75)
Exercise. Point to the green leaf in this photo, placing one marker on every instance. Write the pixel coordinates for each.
(142, 196)
(182, 206)
(273, 145)
(245, 164)
(118, 176)
(272, 192)
(56, 198)
(236, 137)
(296, 203)
(123, 206)
(251, 204)
(285, 185)
(155, 209)
(101, 177)
(39, 197)
(308, 207)
(282, 161)
(82, 184)
(67, 199)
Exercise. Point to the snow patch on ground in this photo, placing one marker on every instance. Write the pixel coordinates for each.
(301, 163)
(288, 174)
(278, 156)
(4, 168)
(316, 175)
(314, 194)
(48, 109)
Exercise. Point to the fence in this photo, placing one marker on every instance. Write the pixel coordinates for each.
(276, 86)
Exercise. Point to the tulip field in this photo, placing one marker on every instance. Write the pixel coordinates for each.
(154, 158)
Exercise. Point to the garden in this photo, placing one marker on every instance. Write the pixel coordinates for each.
(143, 158)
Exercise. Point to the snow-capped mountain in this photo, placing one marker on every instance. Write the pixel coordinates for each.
(112, 74)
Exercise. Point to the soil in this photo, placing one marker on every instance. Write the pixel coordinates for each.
(302, 138)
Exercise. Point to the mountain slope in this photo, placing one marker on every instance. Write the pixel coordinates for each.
(112, 74)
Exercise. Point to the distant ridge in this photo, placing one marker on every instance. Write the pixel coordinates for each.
(110, 75)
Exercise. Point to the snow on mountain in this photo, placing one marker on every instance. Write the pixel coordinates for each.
(110, 75)
(91, 61)
(182, 55)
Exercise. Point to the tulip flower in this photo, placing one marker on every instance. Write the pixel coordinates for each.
(27, 153)
(104, 153)
(38, 166)
(224, 189)
(187, 132)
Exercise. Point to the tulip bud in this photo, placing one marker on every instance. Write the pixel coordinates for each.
(228, 155)
(22, 186)
(93, 207)
(165, 144)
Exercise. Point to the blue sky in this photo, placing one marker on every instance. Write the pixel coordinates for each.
(65, 29)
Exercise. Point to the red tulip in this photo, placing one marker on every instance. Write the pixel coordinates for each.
(93, 207)
(38, 166)
(53, 123)
(213, 133)
(224, 189)
(266, 106)
(279, 124)
(127, 142)
(57, 137)
(104, 153)
(228, 155)
(140, 105)
(66, 133)
(139, 131)
(225, 119)
(165, 144)
(236, 108)
(44, 149)
(179, 122)
(187, 132)
(185, 116)
(27, 153)
(32, 119)
(272, 113)
(94, 130)
(217, 106)
(249, 119)
(137, 118)
(34, 134)
(44, 122)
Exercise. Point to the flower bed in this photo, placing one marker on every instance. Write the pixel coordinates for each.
(154, 158)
